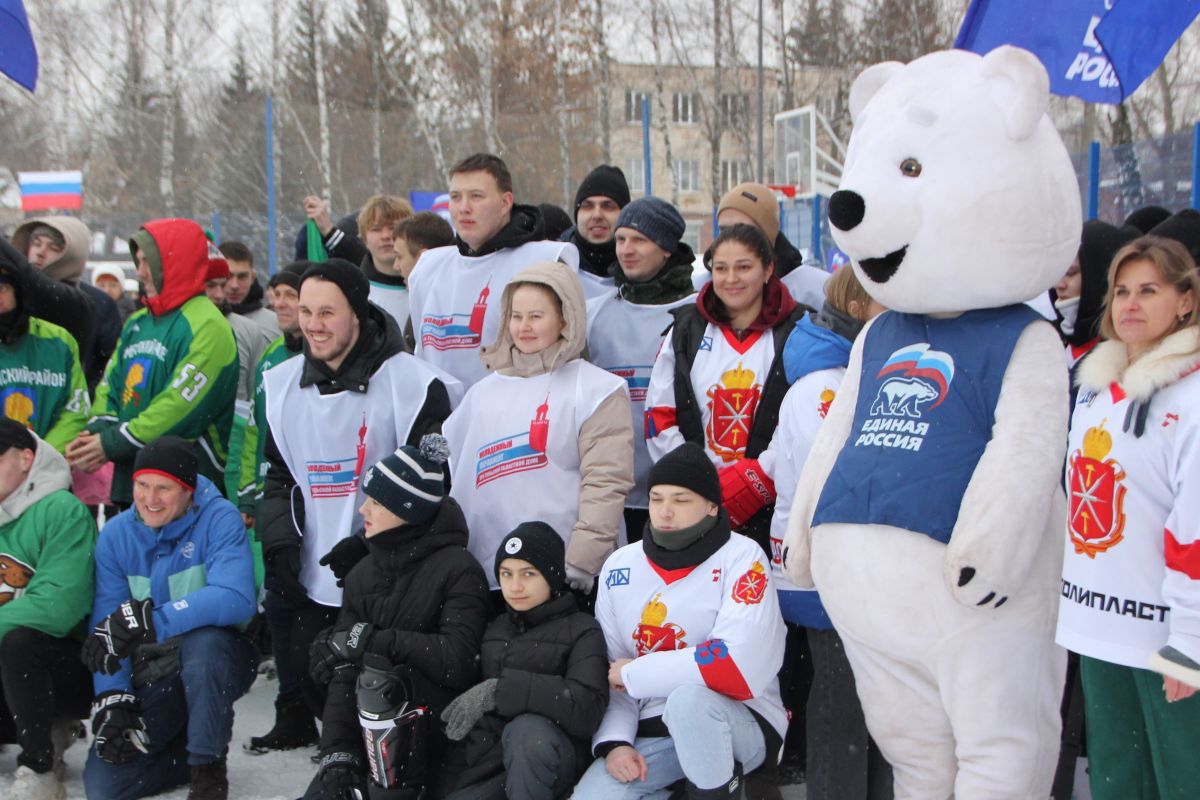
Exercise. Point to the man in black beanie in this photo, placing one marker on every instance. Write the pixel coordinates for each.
(174, 581)
(352, 399)
(598, 202)
(696, 641)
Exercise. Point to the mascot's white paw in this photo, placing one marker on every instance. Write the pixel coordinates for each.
(972, 584)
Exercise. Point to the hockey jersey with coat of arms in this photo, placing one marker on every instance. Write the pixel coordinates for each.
(716, 624)
(1131, 565)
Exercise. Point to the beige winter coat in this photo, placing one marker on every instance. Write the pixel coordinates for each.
(605, 438)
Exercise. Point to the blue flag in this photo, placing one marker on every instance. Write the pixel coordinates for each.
(1098, 50)
(18, 56)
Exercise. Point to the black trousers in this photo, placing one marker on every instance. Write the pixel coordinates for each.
(307, 621)
(42, 679)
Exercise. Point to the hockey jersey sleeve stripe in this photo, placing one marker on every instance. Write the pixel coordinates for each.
(1183, 558)
(658, 420)
(719, 671)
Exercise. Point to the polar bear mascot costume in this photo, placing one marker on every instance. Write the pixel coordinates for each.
(930, 511)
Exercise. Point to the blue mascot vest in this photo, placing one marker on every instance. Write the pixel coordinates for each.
(926, 406)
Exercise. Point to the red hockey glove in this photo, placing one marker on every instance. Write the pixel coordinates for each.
(745, 490)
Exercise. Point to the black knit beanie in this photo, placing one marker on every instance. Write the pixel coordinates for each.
(1184, 227)
(604, 181)
(409, 482)
(290, 275)
(14, 434)
(1146, 217)
(540, 545)
(170, 457)
(656, 219)
(687, 466)
(349, 278)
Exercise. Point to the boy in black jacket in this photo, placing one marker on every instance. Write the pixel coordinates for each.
(525, 731)
(407, 639)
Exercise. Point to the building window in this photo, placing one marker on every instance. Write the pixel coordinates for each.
(735, 109)
(687, 175)
(633, 105)
(733, 173)
(686, 107)
(635, 174)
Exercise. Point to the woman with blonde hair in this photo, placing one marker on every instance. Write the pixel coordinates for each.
(1130, 601)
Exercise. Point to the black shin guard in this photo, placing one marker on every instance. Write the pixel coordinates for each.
(396, 730)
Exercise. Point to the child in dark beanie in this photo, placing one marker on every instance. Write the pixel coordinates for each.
(525, 731)
(407, 638)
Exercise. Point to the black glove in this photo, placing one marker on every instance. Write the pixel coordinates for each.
(116, 636)
(340, 777)
(339, 649)
(283, 575)
(119, 728)
(344, 555)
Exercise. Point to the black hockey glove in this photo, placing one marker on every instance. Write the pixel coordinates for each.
(344, 555)
(116, 636)
(283, 575)
(119, 728)
(340, 777)
(339, 649)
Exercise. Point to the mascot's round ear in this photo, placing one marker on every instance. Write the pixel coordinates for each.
(1019, 85)
(868, 82)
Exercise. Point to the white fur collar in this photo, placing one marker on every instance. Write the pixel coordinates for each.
(1175, 355)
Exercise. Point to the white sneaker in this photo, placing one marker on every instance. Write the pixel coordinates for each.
(63, 734)
(30, 785)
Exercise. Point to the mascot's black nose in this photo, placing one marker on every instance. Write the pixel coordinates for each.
(846, 209)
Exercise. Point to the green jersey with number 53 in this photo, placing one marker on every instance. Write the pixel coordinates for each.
(42, 384)
(171, 374)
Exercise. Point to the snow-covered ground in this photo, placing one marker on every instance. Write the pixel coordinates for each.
(274, 776)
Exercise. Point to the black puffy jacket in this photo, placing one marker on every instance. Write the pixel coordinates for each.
(551, 660)
(428, 598)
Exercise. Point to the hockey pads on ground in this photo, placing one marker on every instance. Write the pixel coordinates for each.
(745, 490)
(115, 636)
(119, 727)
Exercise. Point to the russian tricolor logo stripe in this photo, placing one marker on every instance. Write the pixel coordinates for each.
(45, 190)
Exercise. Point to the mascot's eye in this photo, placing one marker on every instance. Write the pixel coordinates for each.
(910, 168)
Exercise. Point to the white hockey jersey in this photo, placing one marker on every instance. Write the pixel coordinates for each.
(800, 416)
(716, 624)
(514, 451)
(1131, 563)
(728, 378)
(624, 338)
(454, 301)
(328, 440)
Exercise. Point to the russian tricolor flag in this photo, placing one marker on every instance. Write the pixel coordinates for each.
(42, 191)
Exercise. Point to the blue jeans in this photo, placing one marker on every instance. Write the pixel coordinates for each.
(189, 717)
(709, 732)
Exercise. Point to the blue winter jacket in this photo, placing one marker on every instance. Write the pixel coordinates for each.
(197, 569)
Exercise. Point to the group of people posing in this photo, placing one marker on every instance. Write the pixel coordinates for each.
(512, 506)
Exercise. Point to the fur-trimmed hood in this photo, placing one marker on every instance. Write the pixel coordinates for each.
(1175, 356)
